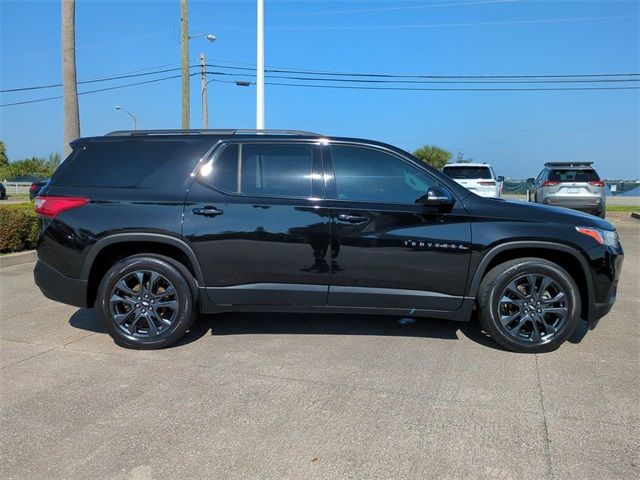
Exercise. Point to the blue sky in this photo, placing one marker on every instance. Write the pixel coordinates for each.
(515, 131)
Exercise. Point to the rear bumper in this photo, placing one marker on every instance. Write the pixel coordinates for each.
(587, 204)
(56, 286)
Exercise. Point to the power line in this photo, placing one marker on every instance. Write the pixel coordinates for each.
(95, 91)
(105, 79)
(602, 77)
(453, 89)
(367, 80)
(392, 75)
(442, 25)
(387, 9)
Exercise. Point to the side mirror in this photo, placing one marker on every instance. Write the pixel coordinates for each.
(437, 197)
(501, 178)
(531, 180)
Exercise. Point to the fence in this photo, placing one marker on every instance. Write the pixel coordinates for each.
(17, 187)
(623, 188)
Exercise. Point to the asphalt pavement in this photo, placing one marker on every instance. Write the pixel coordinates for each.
(258, 396)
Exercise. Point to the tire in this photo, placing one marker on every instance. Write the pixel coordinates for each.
(136, 321)
(602, 214)
(526, 320)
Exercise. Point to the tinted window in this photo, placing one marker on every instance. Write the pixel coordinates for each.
(364, 174)
(119, 163)
(278, 170)
(573, 175)
(224, 173)
(470, 173)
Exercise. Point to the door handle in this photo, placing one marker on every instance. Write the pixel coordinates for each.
(343, 217)
(207, 211)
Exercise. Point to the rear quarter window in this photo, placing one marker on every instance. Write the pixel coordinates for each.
(115, 163)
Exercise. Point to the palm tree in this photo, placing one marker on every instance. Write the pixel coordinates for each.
(69, 85)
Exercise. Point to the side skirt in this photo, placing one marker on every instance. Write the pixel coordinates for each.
(462, 314)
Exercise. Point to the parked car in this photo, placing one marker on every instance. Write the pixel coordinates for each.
(477, 177)
(572, 185)
(35, 188)
(3, 192)
(153, 227)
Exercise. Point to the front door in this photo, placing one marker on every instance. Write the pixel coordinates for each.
(388, 251)
(253, 218)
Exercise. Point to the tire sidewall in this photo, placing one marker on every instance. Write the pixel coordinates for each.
(128, 265)
(532, 267)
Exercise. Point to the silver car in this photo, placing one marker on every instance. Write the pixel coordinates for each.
(573, 185)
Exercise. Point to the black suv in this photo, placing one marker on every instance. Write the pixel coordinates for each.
(153, 227)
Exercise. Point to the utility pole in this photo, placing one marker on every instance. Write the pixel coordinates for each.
(69, 85)
(260, 68)
(203, 80)
(184, 42)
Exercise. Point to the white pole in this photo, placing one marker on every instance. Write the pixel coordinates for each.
(260, 68)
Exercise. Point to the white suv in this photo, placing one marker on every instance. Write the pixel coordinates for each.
(477, 177)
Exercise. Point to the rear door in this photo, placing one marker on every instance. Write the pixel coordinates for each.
(387, 251)
(254, 219)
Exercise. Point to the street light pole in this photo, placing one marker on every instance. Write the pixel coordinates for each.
(203, 80)
(184, 40)
(133, 118)
(260, 68)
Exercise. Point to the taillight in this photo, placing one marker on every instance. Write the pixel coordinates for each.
(52, 206)
(488, 184)
(597, 183)
(550, 183)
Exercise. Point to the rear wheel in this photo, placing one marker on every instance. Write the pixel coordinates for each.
(145, 302)
(529, 305)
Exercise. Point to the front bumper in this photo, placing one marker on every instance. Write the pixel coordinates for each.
(56, 286)
(606, 274)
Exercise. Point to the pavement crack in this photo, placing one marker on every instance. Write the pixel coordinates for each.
(28, 358)
(544, 418)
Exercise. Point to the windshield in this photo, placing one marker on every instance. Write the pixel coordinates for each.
(467, 172)
(573, 175)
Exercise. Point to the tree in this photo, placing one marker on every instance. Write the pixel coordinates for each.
(36, 167)
(460, 158)
(435, 156)
(4, 160)
(69, 83)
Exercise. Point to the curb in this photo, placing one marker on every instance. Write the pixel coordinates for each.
(17, 258)
(635, 215)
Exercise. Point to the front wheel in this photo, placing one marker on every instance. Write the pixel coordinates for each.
(529, 305)
(145, 302)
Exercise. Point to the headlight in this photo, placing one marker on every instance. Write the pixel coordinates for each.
(603, 237)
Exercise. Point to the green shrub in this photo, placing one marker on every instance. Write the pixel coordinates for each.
(35, 166)
(19, 227)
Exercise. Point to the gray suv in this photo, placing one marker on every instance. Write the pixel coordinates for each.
(573, 185)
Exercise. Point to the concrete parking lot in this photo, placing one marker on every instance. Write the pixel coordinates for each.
(300, 396)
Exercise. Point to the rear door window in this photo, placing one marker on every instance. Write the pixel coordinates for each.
(573, 175)
(467, 173)
(262, 169)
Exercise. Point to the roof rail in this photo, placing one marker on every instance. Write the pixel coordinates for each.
(568, 164)
(248, 131)
(132, 133)
(237, 131)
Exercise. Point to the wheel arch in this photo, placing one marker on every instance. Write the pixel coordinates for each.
(108, 250)
(567, 257)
